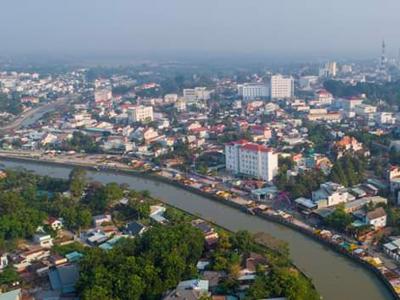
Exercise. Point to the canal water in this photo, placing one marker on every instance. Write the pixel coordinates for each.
(335, 277)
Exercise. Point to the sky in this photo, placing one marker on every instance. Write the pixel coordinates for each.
(211, 27)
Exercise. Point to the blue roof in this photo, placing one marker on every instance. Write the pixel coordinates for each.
(134, 228)
(64, 278)
(74, 256)
(12, 295)
(110, 243)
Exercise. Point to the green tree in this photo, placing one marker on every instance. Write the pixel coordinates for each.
(77, 182)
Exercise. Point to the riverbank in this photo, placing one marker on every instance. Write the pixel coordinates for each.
(357, 294)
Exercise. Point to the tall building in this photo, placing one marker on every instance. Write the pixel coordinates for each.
(140, 114)
(332, 68)
(252, 91)
(251, 159)
(383, 61)
(329, 70)
(282, 87)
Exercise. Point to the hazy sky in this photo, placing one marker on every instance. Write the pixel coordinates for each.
(288, 27)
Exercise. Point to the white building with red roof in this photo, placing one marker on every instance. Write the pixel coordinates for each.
(254, 160)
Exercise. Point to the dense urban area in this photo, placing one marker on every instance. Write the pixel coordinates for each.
(313, 146)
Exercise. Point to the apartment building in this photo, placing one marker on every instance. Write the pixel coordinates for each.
(252, 91)
(140, 114)
(251, 159)
(282, 87)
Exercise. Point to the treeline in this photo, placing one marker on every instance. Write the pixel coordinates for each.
(10, 104)
(388, 91)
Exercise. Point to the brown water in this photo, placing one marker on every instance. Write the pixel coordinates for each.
(335, 277)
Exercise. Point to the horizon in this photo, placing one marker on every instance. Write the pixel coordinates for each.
(174, 29)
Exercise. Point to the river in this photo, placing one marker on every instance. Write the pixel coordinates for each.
(335, 277)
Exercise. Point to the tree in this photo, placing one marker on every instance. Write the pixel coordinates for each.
(77, 182)
(143, 268)
(8, 276)
(339, 219)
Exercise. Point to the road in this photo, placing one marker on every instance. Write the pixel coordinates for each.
(31, 114)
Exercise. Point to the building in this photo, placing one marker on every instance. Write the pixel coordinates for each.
(180, 105)
(252, 91)
(347, 144)
(385, 118)
(140, 113)
(323, 97)
(102, 95)
(376, 218)
(196, 94)
(282, 87)
(44, 240)
(330, 194)
(330, 70)
(366, 111)
(324, 115)
(251, 159)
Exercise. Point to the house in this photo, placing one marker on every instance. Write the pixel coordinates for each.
(392, 249)
(23, 260)
(330, 194)
(96, 237)
(376, 218)
(193, 284)
(254, 260)
(43, 240)
(157, 214)
(101, 219)
(134, 228)
(73, 257)
(347, 144)
(55, 224)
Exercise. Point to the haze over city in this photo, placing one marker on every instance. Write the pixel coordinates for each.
(199, 150)
(306, 28)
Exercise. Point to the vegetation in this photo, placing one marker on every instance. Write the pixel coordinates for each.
(143, 268)
(81, 142)
(286, 282)
(348, 171)
(319, 136)
(301, 185)
(339, 219)
(8, 276)
(388, 91)
(10, 104)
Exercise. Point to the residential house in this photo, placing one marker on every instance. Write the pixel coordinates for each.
(55, 224)
(376, 218)
(134, 228)
(43, 240)
(101, 219)
(330, 194)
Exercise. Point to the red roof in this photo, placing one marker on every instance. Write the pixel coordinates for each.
(256, 148)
